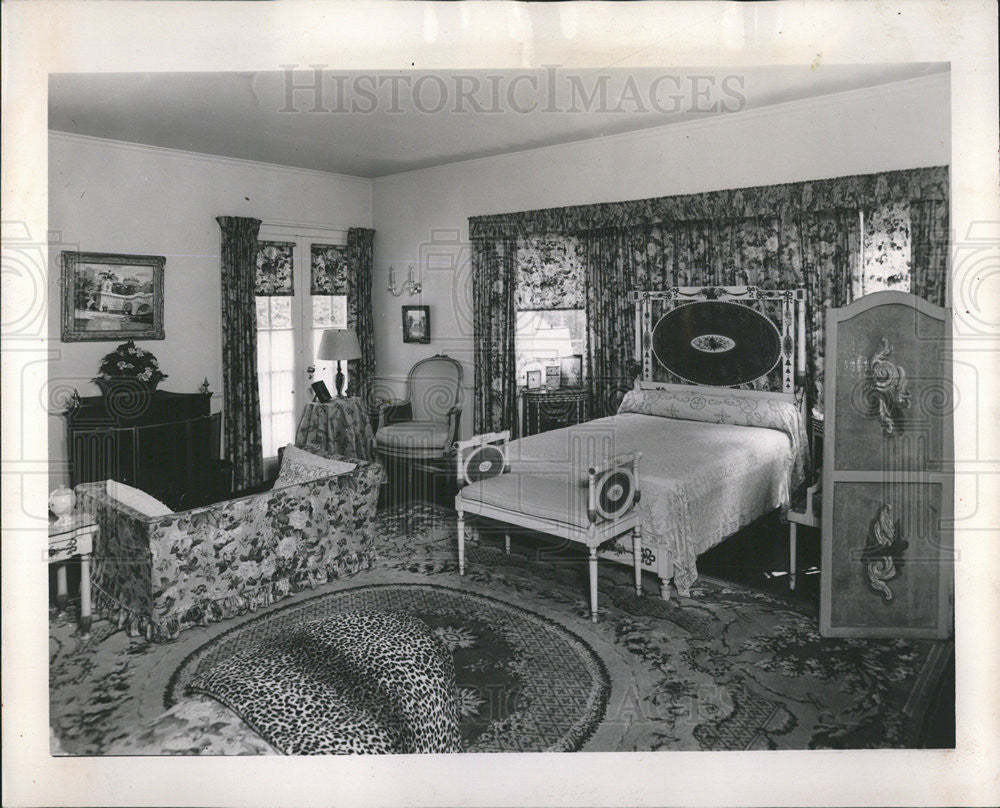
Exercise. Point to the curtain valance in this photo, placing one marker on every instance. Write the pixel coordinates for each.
(856, 192)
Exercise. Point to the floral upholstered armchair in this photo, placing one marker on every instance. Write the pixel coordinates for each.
(159, 575)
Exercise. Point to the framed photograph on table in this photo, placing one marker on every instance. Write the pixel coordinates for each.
(552, 377)
(417, 324)
(107, 297)
(571, 371)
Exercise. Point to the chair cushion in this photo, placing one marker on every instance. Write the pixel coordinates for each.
(413, 437)
(545, 497)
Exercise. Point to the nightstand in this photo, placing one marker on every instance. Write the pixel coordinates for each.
(544, 409)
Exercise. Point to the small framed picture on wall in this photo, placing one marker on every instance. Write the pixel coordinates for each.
(417, 324)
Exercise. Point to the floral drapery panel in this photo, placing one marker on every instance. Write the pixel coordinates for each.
(241, 404)
(929, 250)
(840, 193)
(610, 322)
(360, 263)
(274, 276)
(802, 234)
(328, 269)
(493, 282)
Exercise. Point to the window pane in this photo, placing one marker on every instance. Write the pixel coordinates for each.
(543, 337)
(281, 312)
(275, 372)
(321, 309)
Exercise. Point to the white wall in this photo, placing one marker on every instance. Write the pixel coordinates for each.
(906, 125)
(106, 196)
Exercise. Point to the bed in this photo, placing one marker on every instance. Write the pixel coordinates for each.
(716, 412)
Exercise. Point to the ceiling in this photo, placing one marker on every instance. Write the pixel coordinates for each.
(378, 123)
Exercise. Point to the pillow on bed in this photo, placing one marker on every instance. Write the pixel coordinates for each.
(722, 405)
(300, 466)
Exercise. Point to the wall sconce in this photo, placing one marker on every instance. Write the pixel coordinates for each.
(410, 286)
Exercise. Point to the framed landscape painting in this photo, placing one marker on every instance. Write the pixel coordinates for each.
(109, 297)
(417, 324)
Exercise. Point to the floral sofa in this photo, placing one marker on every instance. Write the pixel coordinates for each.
(160, 575)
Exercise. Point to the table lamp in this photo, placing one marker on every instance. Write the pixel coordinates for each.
(339, 344)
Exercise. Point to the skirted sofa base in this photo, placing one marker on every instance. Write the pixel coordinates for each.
(157, 576)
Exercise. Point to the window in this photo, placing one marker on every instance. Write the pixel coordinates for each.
(276, 372)
(289, 329)
(328, 311)
(542, 337)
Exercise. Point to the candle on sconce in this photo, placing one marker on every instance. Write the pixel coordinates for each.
(392, 276)
(410, 275)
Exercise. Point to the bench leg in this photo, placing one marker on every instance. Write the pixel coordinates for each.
(637, 557)
(506, 542)
(792, 542)
(593, 584)
(461, 543)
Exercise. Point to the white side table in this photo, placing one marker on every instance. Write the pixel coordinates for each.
(66, 541)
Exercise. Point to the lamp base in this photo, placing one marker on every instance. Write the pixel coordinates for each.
(339, 380)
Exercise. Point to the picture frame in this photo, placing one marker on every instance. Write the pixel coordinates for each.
(534, 379)
(109, 297)
(571, 371)
(322, 392)
(552, 377)
(417, 324)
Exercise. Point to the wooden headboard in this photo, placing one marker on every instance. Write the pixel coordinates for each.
(721, 336)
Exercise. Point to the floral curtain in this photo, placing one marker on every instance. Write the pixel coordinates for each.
(549, 273)
(360, 262)
(776, 201)
(274, 276)
(829, 271)
(241, 404)
(610, 318)
(328, 269)
(493, 281)
(803, 234)
(929, 250)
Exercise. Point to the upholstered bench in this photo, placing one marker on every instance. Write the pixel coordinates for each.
(554, 501)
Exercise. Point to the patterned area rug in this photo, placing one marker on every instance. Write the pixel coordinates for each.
(727, 669)
(525, 684)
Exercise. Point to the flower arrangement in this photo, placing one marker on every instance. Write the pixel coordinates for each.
(130, 361)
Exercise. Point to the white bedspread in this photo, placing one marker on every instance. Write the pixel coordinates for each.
(700, 482)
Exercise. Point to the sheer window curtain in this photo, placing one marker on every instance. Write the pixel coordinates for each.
(241, 398)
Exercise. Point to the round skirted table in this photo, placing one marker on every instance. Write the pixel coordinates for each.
(340, 425)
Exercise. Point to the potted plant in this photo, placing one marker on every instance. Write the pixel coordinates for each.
(129, 368)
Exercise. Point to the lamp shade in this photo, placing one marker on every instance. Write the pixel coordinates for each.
(339, 343)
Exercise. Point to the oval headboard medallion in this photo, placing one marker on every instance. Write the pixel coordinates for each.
(716, 343)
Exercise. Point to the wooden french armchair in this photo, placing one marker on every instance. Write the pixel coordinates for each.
(423, 426)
